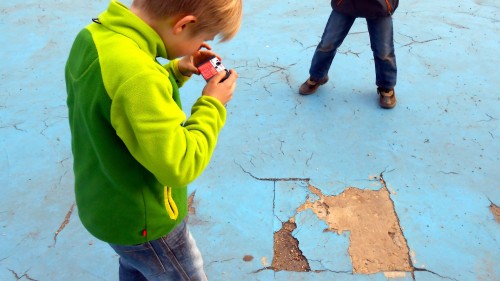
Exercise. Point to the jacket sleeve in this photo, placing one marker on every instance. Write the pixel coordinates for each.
(173, 69)
(156, 132)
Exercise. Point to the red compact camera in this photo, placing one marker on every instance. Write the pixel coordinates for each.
(211, 67)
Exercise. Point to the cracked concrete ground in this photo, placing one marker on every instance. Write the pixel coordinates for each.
(438, 150)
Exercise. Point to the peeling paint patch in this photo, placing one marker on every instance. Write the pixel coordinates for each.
(191, 208)
(377, 243)
(193, 203)
(395, 274)
(263, 260)
(64, 223)
(495, 210)
(287, 255)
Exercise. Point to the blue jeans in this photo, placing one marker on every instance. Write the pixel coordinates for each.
(172, 257)
(382, 45)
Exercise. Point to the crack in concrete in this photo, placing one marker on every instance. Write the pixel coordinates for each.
(281, 147)
(288, 81)
(474, 14)
(273, 179)
(42, 132)
(350, 52)
(309, 159)
(297, 41)
(413, 41)
(25, 274)
(432, 272)
(15, 126)
(267, 90)
(218, 261)
(333, 271)
(62, 177)
(449, 173)
(276, 68)
(327, 269)
(490, 118)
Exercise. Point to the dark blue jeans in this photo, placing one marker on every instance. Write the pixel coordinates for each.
(381, 41)
(172, 257)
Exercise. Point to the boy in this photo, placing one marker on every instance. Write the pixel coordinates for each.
(378, 18)
(134, 151)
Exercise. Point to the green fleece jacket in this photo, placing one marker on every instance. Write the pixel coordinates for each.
(134, 151)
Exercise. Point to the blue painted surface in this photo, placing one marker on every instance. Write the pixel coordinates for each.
(439, 148)
(324, 251)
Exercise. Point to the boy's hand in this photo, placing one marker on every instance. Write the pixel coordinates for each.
(187, 65)
(223, 91)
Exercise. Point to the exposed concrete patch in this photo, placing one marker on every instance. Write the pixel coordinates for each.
(287, 255)
(64, 223)
(377, 243)
(495, 210)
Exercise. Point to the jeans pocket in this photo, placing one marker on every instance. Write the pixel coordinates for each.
(141, 257)
(177, 237)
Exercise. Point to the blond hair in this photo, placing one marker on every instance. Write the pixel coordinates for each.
(221, 17)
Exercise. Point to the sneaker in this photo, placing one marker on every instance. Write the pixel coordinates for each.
(310, 86)
(387, 98)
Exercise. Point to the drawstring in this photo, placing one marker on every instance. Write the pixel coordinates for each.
(96, 20)
(170, 205)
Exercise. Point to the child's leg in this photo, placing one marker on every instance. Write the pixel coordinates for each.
(172, 257)
(336, 30)
(382, 44)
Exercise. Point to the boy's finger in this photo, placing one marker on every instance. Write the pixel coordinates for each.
(232, 76)
(206, 54)
(202, 56)
(205, 45)
(219, 76)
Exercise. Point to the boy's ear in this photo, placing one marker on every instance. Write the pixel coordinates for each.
(183, 23)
